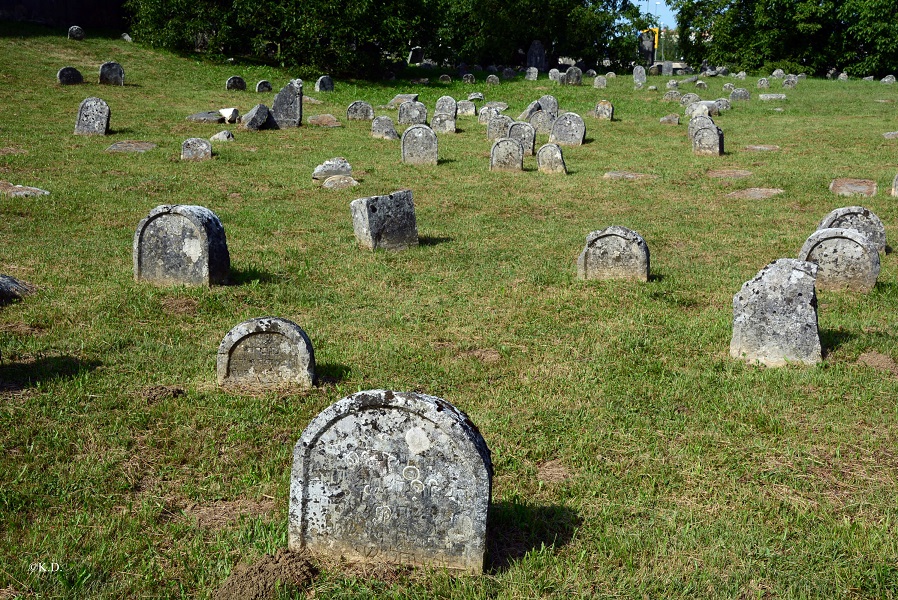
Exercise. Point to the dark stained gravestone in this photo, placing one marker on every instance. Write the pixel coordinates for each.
(536, 56)
(264, 86)
(286, 111)
(235, 83)
(76, 33)
(324, 84)
(386, 222)
(266, 353)
(69, 76)
(112, 73)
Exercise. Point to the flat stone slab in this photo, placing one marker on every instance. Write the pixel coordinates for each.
(131, 146)
(891, 135)
(762, 148)
(755, 193)
(13, 289)
(769, 97)
(324, 120)
(728, 173)
(339, 182)
(844, 186)
(628, 175)
(209, 116)
(20, 191)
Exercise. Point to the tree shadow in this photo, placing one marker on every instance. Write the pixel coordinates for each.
(15, 376)
(121, 131)
(331, 373)
(515, 529)
(250, 275)
(832, 339)
(432, 240)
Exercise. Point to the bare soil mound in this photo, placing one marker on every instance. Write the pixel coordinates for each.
(260, 580)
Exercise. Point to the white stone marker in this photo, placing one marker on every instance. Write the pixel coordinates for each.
(614, 253)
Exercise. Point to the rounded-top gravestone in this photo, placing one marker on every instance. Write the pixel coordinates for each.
(382, 128)
(324, 84)
(549, 104)
(69, 76)
(542, 121)
(549, 159)
(492, 80)
(446, 105)
(600, 82)
(498, 127)
(265, 353)
(76, 33)
(604, 110)
(614, 253)
(859, 218)
(93, 117)
(419, 145)
(412, 113)
(443, 123)
(360, 111)
(573, 76)
(568, 130)
(524, 133)
(507, 154)
(235, 83)
(112, 73)
(845, 257)
(264, 86)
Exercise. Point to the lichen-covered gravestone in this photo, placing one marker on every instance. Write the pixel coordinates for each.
(181, 244)
(446, 105)
(497, 127)
(76, 33)
(492, 80)
(775, 316)
(442, 123)
(399, 99)
(568, 130)
(382, 128)
(331, 167)
(466, 108)
(392, 477)
(524, 133)
(419, 146)
(844, 186)
(93, 117)
(386, 222)
(112, 73)
(549, 159)
(360, 111)
(845, 257)
(573, 76)
(507, 154)
(763, 83)
(286, 111)
(549, 104)
(614, 253)
(672, 96)
(532, 74)
(196, 149)
(486, 113)
(604, 110)
(859, 218)
(69, 76)
(265, 353)
(324, 84)
(600, 82)
(739, 94)
(235, 83)
(699, 122)
(708, 141)
(528, 112)
(542, 121)
(412, 113)
(639, 75)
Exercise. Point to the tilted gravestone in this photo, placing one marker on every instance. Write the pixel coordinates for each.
(391, 477)
(600, 82)
(529, 111)
(76, 33)
(222, 136)
(442, 123)
(775, 316)
(264, 86)
(687, 99)
(412, 113)
(498, 127)
(549, 104)
(549, 159)
(536, 56)
(181, 244)
(671, 119)
(93, 117)
(708, 141)
(382, 128)
(614, 253)
(604, 110)
(419, 145)
(209, 116)
(739, 94)
(69, 76)
(236, 83)
(845, 257)
(230, 114)
(386, 222)
(639, 74)
(542, 121)
(331, 167)
(573, 76)
(778, 74)
(769, 97)
(568, 130)
(446, 105)
(486, 114)
(399, 99)
(524, 133)
(196, 149)
(112, 73)
(859, 218)
(360, 111)
(258, 118)
(265, 353)
(324, 84)
(286, 111)
(672, 96)
(507, 154)
(466, 108)
(532, 74)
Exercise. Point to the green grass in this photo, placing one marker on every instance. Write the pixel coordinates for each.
(688, 474)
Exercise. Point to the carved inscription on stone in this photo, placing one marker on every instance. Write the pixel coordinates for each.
(267, 352)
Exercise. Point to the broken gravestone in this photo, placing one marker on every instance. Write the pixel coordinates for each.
(360, 111)
(549, 159)
(859, 218)
(331, 167)
(604, 111)
(258, 118)
(265, 353)
(382, 128)
(845, 257)
(419, 145)
(524, 133)
(507, 154)
(112, 73)
(196, 149)
(286, 111)
(93, 117)
(549, 104)
(386, 222)
(614, 253)
(392, 478)
(568, 130)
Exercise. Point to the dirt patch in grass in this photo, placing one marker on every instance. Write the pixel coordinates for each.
(484, 355)
(158, 393)
(179, 306)
(21, 329)
(878, 361)
(222, 513)
(553, 471)
(260, 581)
(5, 152)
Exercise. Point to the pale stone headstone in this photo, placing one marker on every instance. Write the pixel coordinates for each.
(112, 73)
(507, 154)
(701, 85)
(846, 258)
(287, 108)
(763, 83)
(415, 55)
(673, 84)
(639, 74)
(386, 222)
(894, 192)
(266, 353)
(412, 113)
(492, 80)
(339, 182)
(843, 77)
(536, 56)
(258, 117)
(382, 128)
(181, 244)
(466, 108)
(729, 87)
(888, 80)
(331, 167)
(235, 83)
(778, 74)
(529, 111)
(446, 105)
(498, 127)
(687, 99)
(568, 130)
(131, 146)
(230, 114)
(614, 253)
(549, 159)
(324, 84)
(391, 477)
(859, 218)
(264, 86)
(853, 187)
(549, 104)
(708, 141)
(222, 136)
(554, 75)
(76, 33)
(93, 117)
(475, 97)
(486, 113)
(69, 76)
(610, 75)
(360, 111)
(20, 191)
(698, 122)
(573, 76)
(697, 109)
(769, 97)
(671, 119)
(196, 149)
(600, 82)
(442, 123)
(419, 145)
(739, 94)
(667, 68)
(524, 133)
(532, 74)
(542, 121)
(468, 78)
(723, 104)
(399, 99)
(672, 96)
(604, 110)
(775, 316)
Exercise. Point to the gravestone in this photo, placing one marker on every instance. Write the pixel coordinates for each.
(739, 94)
(790, 82)
(508, 73)
(614, 253)
(639, 74)
(763, 83)
(209, 116)
(181, 244)
(382, 128)
(667, 68)
(445, 78)
(264, 86)
(399, 99)
(698, 122)
(860, 219)
(390, 477)
(549, 105)
(324, 84)
(446, 105)
(568, 130)
(536, 56)
(723, 104)
(673, 84)
(442, 123)
(532, 74)
(647, 48)
(419, 145)
(331, 167)
(846, 259)
(386, 222)
(554, 75)
(844, 186)
(475, 96)
(769, 97)
(222, 136)
(690, 98)
(324, 120)
(20, 191)
(131, 146)
(196, 149)
(843, 77)
(755, 193)
(360, 111)
(542, 121)
(258, 118)
(604, 110)
(230, 114)
(76, 33)
(507, 154)
(412, 113)
(671, 119)
(654, 70)
(339, 182)
(573, 76)
(888, 80)
(69, 76)
(492, 80)
(708, 141)
(741, 75)
(266, 353)
(589, 73)
(529, 111)
(486, 113)
(600, 82)
(468, 78)
(729, 87)
(697, 109)
(672, 96)
(775, 316)
(701, 85)
(498, 127)
(524, 133)
(93, 117)
(610, 75)
(465, 108)
(778, 74)
(235, 83)
(287, 108)
(12, 289)
(112, 73)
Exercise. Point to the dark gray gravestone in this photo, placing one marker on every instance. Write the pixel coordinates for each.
(258, 117)
(222, 136)
(446, 105)
(614, 253)
(573, 76)
(524, 133)
(568, 130)
(859, 218)
(76, 33)
(415, 55)
(390, 477)
(507, 154)
(324, 84)
(419, 145)
(508, 73)
(264, 86)
(386, 222)
(382, 128)
(845, 257)
(536, 56)
(266, 353)
(360, 111)
(445, 78)
(739, 94)
(647, 47)
(498, 127)
(412, 113)
(93, 117)
(287, 108)
(236, 83)
(549, 159)
(181, 244)
(775, 316)
(112, 73)
(468, 78)
(69, 76)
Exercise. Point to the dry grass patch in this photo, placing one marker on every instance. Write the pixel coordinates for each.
(224, 513)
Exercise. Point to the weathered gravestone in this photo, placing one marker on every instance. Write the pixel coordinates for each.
(265, 353)
(498, 127)
(442, 123)
(331, 167)
(222, 136)
(769, 97)
(286, 111)
(672, 96)
(667, 68)
(639, 74)
(324, 84)
(723, 104)
(492, 80)
(112, 73)
(412, 113)
(790, 82)
(614, 253)
(549, 159)
(845, 257)
(230, 114)
(701, 85)
(775, 316)
(536, 56)
(739, 94)
(209, 116)
(647, 47)
(339, 182)
(382, 128)
(673, 84)
(532, 74)
(600, 82)
(708, 141)
(573, 76)
(542, 121)
(524, 133)
(529, 111)
(843, 77)
(196, 149)
(235, 83)
(446, 105)
(465, 108)
(93, 117)
(181, 244)
(844, 186)
(698, 122)
(445, 78)
(419, 145)
(894, 191)
(859, 218)
(507, 154)
(611, 75)
(671, 119)
(475, 97)
(729, 87)
(76, 33)
(687, 99)
(508, 73)
(468, 78)
(888, 80)
(486, 114)
(258, 118)
(69, 76)
(604, 110)
(264, 86)
(20, 191)
(548, 104)
(568, 130)
(386, 222)
(360, 111)
(763, 83)
(12, 289)
(392, 477)
(590, 73)
(778, 74)
(554, 75)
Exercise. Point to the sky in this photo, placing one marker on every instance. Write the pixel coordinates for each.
(658, 8)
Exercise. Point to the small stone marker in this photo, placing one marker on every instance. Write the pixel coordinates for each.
(755, 193)
(627, 176)
(446, 105)
(568, 130)
(324, 120)
(600, 82)
(112, 73)
(763, 83)
(360, 111)
(843, 77)
(399, 99)
(12, 289)
(76, 33)
(853, 187)
(382, 128)
(331, 167)
(230, 114)
(445, 78)
(549, 159)
(604, 111)
(671, 119)
(790, 82)
(846, 257)
(236, 83)
(287, 108)
(549, 104)
(778, 74)
(554, 75)
(701, 85)
(728, 173)
(672, 96)
(391, 477)
(508, 73)
(466, 108)
(895, 186)
(498, 127)
(770, 97)
(708, 141)
(20, 191)
(258, 118)
(264, 86)
(324, 84)
(475, 97)
(412, 113)
(468, 78)
(673, 84)
(729, 87)
(507, 154)
(722, 105)
(739, 94)
(441, 123)
(386, 222)
(181, 244)
(492, 80)
(590, 73)
(775, 316)
(419, 146)
(69, 76)
(762, 148)
(542, 121)
(639, 74)
(524, 133)
(860, 219)
(210, 116)
(93, 117)
(196, 149)
(339, 182)
(131, 146)
(687, 99)
(573, 76)
(222, 136)
(888, 80)
(486, 114)
(614, 253)
(532, 74)
(265, 353)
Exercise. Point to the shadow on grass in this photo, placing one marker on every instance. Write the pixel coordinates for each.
(250, 275)
(432, 240)
(331, 373)
(832, 339)
(515, 529)
(123, 130)
(15, 376)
